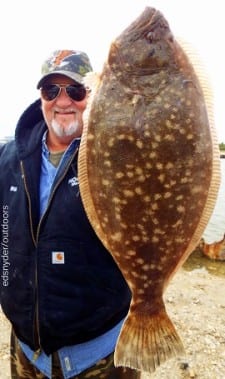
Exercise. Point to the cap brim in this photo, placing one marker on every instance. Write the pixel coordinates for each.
(72, 75)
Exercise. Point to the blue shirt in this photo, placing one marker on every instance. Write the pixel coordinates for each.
(77, 358)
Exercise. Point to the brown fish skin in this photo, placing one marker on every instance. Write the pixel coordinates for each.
(149, 176)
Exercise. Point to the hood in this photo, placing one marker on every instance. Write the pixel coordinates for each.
(30, 129)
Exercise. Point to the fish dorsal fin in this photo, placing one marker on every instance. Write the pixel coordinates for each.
(205, 84)
(92, 81)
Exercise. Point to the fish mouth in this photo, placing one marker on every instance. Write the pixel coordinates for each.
(146, 23)
(142, 48)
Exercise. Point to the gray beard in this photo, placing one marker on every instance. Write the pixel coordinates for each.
(65, 132)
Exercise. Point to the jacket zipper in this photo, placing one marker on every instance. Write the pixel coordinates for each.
(35, 240)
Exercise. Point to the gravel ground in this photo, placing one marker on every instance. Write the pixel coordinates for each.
(195, 301)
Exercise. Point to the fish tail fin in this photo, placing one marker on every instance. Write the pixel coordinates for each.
(146, 342)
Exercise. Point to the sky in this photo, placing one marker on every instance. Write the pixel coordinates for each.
(31, 30)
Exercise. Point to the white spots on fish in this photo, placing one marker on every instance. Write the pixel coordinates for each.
(155, 221)
(173, 117)
(158, 231)
(154, 206)
(182, 130)
(154, 145)
(140, 291)
(136, 238)
(153, 155)
(119, 175)
(140, 261)
(179, 239)
(139, 191)
(163, 258)
(145, 267)
(170, 184)
(111, 142)
(170, 137)
(180, 209)
(147, 133)
(169, 124)
(134, 274)
(169, 165)
(105, 182)
(128, 193)
(130, 174)
(190, 136)
(116, 200)
(122, 137)
(148, 165)
(159, 165)
(157, 196)
(158, 138)
(167, 195)
(161, 177)
(196, 189)
(167, 105)
(131, 253)
(184, 180)
(136, 99)
(107, 163)
(188, 103)
(138, 170)
(179, 197)
(139, 144)
(90, 137)
(158, 99)
(155, 239)
(168, 244)
(116, 237)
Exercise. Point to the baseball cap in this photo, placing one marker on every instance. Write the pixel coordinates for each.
(71, 63)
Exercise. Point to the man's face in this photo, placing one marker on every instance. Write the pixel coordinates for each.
(63, 115)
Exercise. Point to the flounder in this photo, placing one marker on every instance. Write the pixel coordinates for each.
(149, 175)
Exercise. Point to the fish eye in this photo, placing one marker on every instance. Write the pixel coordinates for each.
(150, 36)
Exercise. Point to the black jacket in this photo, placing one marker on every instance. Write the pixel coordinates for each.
(52, 305)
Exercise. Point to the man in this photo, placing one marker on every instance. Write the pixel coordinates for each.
(60, 288)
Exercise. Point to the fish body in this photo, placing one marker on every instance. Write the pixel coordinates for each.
(149, 176)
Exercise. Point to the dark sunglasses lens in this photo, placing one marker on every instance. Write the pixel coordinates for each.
(76, 93)
(50, 92)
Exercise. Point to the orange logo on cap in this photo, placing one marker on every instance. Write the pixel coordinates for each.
(62, 54)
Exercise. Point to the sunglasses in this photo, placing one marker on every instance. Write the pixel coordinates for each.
(75, 92)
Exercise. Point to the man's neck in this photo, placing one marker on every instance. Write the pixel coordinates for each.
(55, 144)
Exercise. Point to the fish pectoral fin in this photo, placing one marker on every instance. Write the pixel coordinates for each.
(145, 342)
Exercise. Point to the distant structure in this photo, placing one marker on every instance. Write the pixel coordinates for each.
(5, 139)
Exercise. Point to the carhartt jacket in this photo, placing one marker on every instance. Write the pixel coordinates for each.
(58, 284)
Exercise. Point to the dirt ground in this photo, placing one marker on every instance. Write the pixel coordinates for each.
(195, 301)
